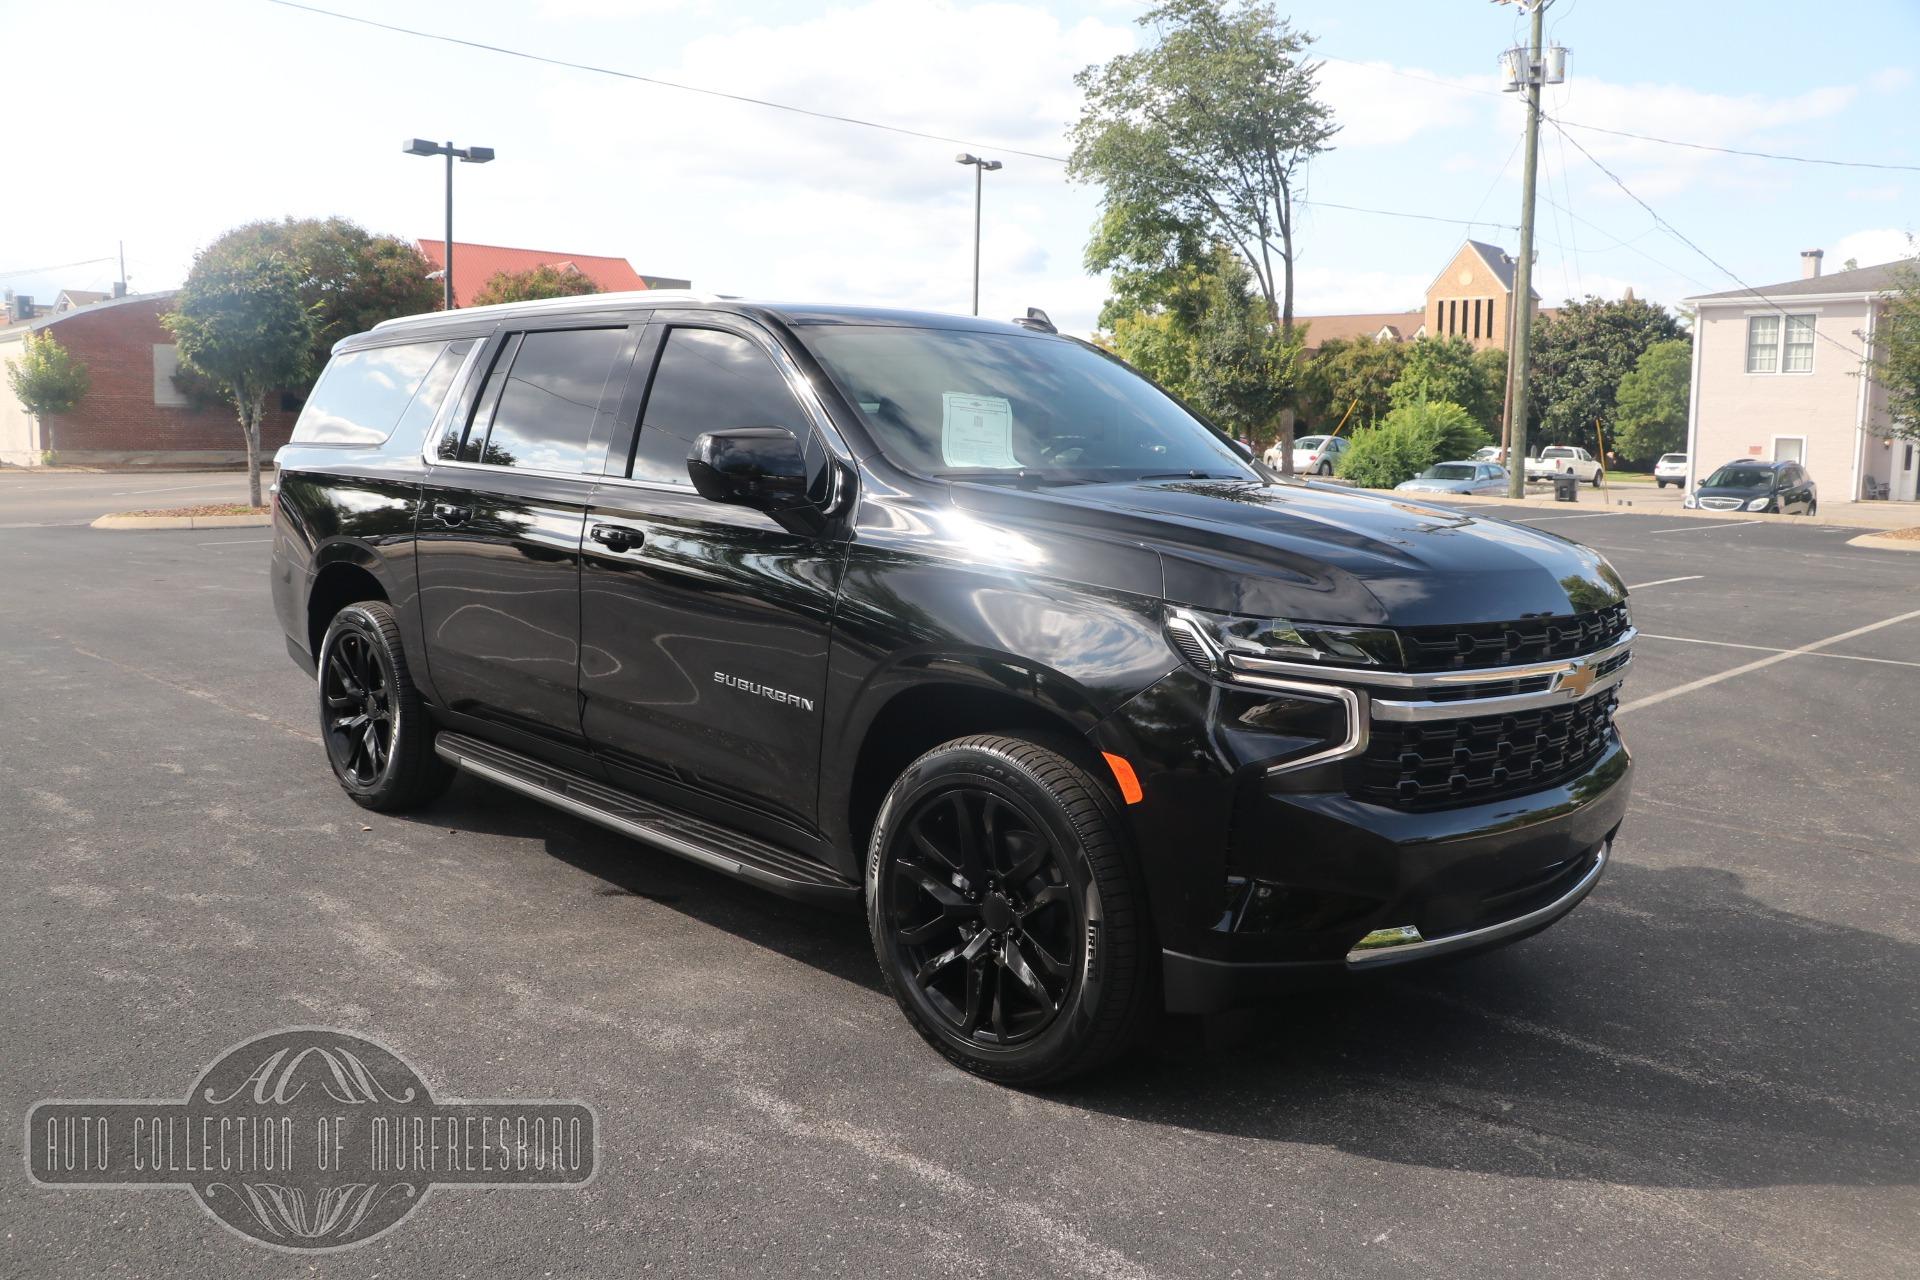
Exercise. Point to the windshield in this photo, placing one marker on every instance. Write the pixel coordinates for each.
(1448, 471)
(957, 403)
(1740, 478)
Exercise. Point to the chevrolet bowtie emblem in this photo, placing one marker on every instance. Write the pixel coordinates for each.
(1576, 680)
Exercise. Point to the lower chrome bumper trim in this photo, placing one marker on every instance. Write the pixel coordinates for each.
(1379, 957)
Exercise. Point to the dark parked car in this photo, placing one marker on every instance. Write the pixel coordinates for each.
(960, 623)
(1753, 485)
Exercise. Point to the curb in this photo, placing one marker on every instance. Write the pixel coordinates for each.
(1881, 542)
(182, 522)
(1665, 513)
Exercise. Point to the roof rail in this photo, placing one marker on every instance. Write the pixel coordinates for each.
(580, 302)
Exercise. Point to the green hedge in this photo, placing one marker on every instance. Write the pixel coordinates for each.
(1408, 441)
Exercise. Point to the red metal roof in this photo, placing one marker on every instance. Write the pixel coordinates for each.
(475, 264)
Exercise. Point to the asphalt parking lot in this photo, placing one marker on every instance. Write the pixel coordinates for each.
(1707, 1070)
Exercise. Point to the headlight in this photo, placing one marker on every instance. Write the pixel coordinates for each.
(1211, 641)
(1760, 504)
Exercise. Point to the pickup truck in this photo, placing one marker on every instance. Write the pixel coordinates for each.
(1557, 459)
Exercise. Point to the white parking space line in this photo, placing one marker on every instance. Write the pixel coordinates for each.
(1661, 582)
(1595, 515)
(1767, 648)
(1705, 528)
(1654, 699)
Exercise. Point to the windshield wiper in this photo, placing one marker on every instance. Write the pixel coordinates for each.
(1194, 475)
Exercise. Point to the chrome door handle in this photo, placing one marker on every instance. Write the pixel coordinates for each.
(616, 537)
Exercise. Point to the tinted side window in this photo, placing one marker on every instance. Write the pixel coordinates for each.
(707, 380)
(549, 399)
(362, 395)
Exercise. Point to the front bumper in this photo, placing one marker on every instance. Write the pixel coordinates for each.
(1322, 886)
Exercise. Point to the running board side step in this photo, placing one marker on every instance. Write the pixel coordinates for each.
(743, 857)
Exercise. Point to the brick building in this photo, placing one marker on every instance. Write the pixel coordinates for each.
(132, 414)
(1471, 298)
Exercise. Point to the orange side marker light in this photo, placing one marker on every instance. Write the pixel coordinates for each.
(1123, 774)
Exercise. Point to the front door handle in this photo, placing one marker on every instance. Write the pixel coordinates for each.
(450, 514)
(616, 537)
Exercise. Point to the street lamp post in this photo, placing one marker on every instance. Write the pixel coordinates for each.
(466, 155)
(980, 167)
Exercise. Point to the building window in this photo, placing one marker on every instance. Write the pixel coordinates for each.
(1799, 344)
(166, 363)
(1777, 347)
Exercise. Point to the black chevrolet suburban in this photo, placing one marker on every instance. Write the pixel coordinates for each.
(962, 623)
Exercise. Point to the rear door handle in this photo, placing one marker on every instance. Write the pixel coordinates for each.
(616, 537)
(450, 514)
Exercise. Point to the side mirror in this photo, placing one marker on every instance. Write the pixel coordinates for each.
(759, 467)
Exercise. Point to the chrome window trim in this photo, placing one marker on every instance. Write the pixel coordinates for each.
(449, 404)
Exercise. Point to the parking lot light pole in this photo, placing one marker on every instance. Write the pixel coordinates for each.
(980, 167)
(466, 155)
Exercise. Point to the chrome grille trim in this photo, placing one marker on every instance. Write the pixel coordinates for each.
(1558, 668)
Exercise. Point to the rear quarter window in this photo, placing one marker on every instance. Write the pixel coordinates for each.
(363, 395)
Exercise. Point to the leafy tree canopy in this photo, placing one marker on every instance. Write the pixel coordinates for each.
(1650, 410)
(239, 321)
(1196, 327)
(46, 378)
(347, 278)
(1357, 373)
(1199, 138)
(535, 282)
(1579, 357)
(1449, 369)
(1897, 344)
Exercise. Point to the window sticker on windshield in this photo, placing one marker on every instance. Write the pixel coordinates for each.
(976, 431)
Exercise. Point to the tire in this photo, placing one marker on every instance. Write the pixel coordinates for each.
(1326, 469)
(1038, 965)
(1595, 482)
(372, 720)
(1813, 507)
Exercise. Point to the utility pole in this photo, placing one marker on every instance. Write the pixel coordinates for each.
(466, 155)
(1526, 68)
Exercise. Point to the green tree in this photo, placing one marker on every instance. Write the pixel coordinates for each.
(348, 278)
(1579, 357)
(1409, 440)
(1650, 409)
(1198, 330)
(1450, 369)
(1356, 373)
(534, 282)
(1203, 134)
(1897, 351)
(46, 378)
(240, 322)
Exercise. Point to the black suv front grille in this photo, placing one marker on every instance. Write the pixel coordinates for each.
(1452, 762)
(1506, 644)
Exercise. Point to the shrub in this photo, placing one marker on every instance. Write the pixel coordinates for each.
(47, 379)
(1408, 441)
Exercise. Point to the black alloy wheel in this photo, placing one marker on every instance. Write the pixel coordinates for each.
(1006, 913)
(375, 726)
(986, 915)
(357, 690)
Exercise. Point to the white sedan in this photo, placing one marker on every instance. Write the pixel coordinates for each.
(1312, 455)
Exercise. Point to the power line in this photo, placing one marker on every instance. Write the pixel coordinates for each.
(1673, 231)
(1395, 213)
(1736, 151)
(668, 84)
(58, 266)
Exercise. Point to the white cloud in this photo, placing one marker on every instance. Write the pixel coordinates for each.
(1870, 248)
(1379, 104)
(1890, 80)
(1326, 291)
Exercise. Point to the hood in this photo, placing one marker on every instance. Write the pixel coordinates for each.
(1433, 486)
(1314, 553)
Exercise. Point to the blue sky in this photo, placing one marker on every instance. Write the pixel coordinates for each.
(164, 130)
